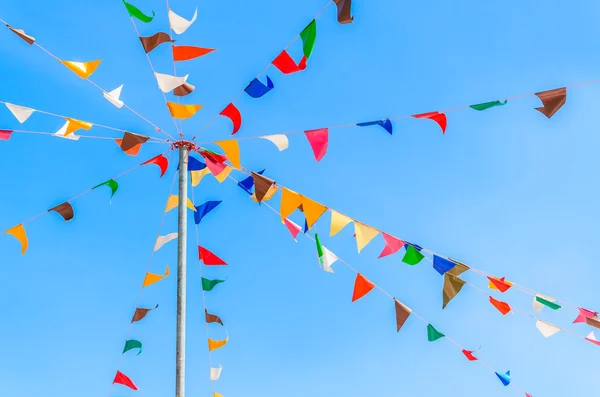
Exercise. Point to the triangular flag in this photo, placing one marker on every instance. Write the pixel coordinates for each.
(113, 96)
(21, 113)
(362, 286)
(208, 285)
(173, 202)
(209, 259)
(232, 151)
(546, 329)
(19, 233)
(233, 114)
(257, 89)
(385, 124)
(469, 355)
(309, 36)
(152, 278)
(140, 313)
(499, 284)
(215, 373)
(75, 125)
(344, 11)
(198, 175)
(402, 314)
(488, 105)
(136, 13)
(593, 321)
(132, 344)
(592, 338)
(433, 334)
(504, 378)
(553, 100)
(5, 135)
(65, 210)
(268, 196)
(326, 257)
(502, 307)
(290, 202)
(182, 112)
(364, 234)
(21, 33)
(62, 132)
(262, 184)
(583, 314)
(180, 24)
(286, 65)
(338, 222)
(538, 306)
(82, 69)
(319, 140)
(293, 228)
(547, 303)
(204, 209)
(215, 394)
(439, 118)
(151, 42)
(452, 286)
(162, 240)
(412, 256)
(161, 161)
(212, 318)
(168, 83)
(392, 245)
(122, 379)
(224, 174)
(280, 140)
(132, 141)
(216, 344)
(184, 89)
(186, 52)
(312, 210)
(442, 265)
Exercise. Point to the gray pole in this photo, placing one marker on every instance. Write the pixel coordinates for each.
(181, 273)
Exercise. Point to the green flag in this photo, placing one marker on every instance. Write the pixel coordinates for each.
(309, 36)
(133, 344)
(487, 105)
(547, 303)
(136, 13)
(208, 285)
(112, 184)
(319, 248)
(412, 256)
(433, 334)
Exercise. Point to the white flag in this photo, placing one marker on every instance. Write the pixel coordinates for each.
(113, 96)
(215, 373)
(546, 329)
(162, 240)
(281, 141)
(328, 259)
(168, 83)
(21, 113)
(179, 24)
(537, 306)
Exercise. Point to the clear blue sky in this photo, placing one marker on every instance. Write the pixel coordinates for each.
(505, 190)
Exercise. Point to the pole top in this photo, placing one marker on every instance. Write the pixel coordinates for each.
(191, 146)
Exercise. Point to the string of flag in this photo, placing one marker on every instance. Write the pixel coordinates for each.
(6, 134)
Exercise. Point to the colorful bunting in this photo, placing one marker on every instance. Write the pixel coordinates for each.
(112, 184)
(161, 161)
(362, 286)
(180, 24)
(151, 42)
(19, 233)
(290, 202)
(21, 33)
(162, 240)
(385, 124)
(547, 303)
(113, 96)
(583, 314)
(504, 378)
(592, 338)
(312, 211)
(184, 89)
(392, 244)
(5, 135)
(488, 105)
(338, 222)
(204, 209)
(122, 379)
(262, 184)
(280, 140)
(552, 100)
(21, 113)
(233, 114)
(452, 286)
(546, 329)
(215, 373)
(211, 318)
(286, 65)
(62, 132)
(140, 313)
(131, 140)
(182, 112)
(433, 334)
(439, 118)
(344, 11)
(293, 228)
(309, 36)
(232, 151)
(412, 256)
(469, 355)
(186, 52)
(168, 83)
(82, 69)
(256, 88)
(216, 344)
(402, 314)
(208, 285)
(209, 259)
(319, 140)
(65, 210)
(499, 284)
(364, 234)
(132, 344)
(152, 278)
(502, 307)
(248, 183)
(136, 13)
(173, 201)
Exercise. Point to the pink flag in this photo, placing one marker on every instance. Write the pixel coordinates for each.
(392, 245)
(214, 167)
(318, 139)
(592, 338)
(439, 118)
(292, 227)
(122, 379)
(583, 314)
(5, 135)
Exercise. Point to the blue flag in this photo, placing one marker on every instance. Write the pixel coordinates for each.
(204, 209)
(442, 265)
(385, 124)
(248, 183)
(257, 89)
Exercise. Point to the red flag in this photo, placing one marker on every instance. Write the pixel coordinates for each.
(439, 118)
(208, 258)
(186, 52)
(161, 161)
(122, 379)
(5, 135)
(233, 114)
(392, 245)
(469, 355)
(362, 286)
(319, 140)
(287, 65)
(502, 307)
(500, 284)
(133, 151)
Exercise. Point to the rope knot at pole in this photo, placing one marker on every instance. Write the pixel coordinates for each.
(179, 144)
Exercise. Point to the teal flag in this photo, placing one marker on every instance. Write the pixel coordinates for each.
(112, 184)
(309, 36)
(412, 256)
(136, 13)
(433, 334)
(487, 105)
(133, 344)
(208, 285)
(547, 303)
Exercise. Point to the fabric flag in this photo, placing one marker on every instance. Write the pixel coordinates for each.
(19, 233)
(592, 338)
(198, 175)
(487, 105)
(583, 314)
(385, 124)
(305, 226)
(21, 33)
(216, 344)
(113, 96)
(184, 89)
(211, 318)
(186, 52)
(231, 148)
(205, 209)
(593, 321)
(392, 245)
(151, 42)
(182, 112)
(552, 100)
(131, 140)
(262, 184)
(364, 234)
(326, 257)
(82, 69)
(215, 373)
(547, 303)
(161, 161)
(338, 222)
(122, 379)
(402, 314)
(502, 307)
(309, 36)
(538, 306)
(442, 265)
(173, 202)
(215, 394)
(233, 114)
(362, 286)
(136, 13)
(134, 151)
(248, 183)
(5, 135)
(140, 313)
(215, 167)
(180, 24)
(290, 202)
(209, 259)
(132, 344)
(223, 175)
(499, 284)
(162, 240)
(452, 286)
(21, 113)
(62, 133)
(319, 140)
(293, 228)
(504, 378)
(75, 125)
(112, 184)
(257, 89)
(152, 278)
(279, 140)
(168, 83)
(546, 329)
(439, 118)
(312, 211)
(268, 196)
(469, 355)
(433, 334)
(286, 65)
(344, 11)
(412, 256)
(208, 285)
(65, 210)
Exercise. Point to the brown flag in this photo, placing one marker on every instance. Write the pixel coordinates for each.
(184, 89)
(593, 321)
(21, 33)
(130, 140)
(452, 286)
(402, 314)
(151, 42)
(344, 10)
(140, 313)
(552, 100)
(262, 184)
(211, 318)
(65, 210)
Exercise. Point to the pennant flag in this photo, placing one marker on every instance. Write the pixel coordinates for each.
(309, 36)
(364, 234)
(412, 256)
(215, 157)
(280, 140)
(362, 286)
(198, 175)
(75, 125)
(469, 355)
(209, 259)
(211, 318)
(186, 52)
(442, 265)
(152, 278)
(21, 113)
(184, 89)
(487, 105)
(293, 228)
(592, 338)
(180, 24)
(173, 202)
(82, 69)
(504, 378)
(593, 321)
(151, 42)
(208, 285)
(21, 33)
(502, 307)
(326, 257)
(319, 140)
(312, 211)
(225, 173)
(499, 284)
(204, 209)
(452, 286)
(131, 141)
(122, 379)
(113, 96)
(232, 151)
(583, 314)
(392, 245)
(62, 133)
(215, 168)
(136, 13)
(134, 151)
(262, 184)
(287, 65)
(552, 100)
(248, 183)
(140, 313)
(402, 314)
(168, 83)
(290, 202)
(65, 210)
(233, 114)
(268, 196)
(256, 88)
(132, 344)
(385, 124)
(112, 184)
(215, 373)
(538, 306)
(546, 329)
(162, 240)
(433, 334)
(547, 303)
(216, 344)
(305, 226)
(338, 222)
(215, 394)
(344, 11)
(458, 269)
(439, 118)
(19, 233)
(182, 112)
(5, 135)
(161, 161)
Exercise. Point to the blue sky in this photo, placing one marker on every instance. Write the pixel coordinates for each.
(506, 191)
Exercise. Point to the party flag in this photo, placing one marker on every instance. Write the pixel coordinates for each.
(173, 202)
(592, 338)
(186, 52)
(504, 378)
(502, 307)
(232, 151)
(338, 222)
(180, 24)
(184, 89)
(362, 286)
(134, 151)
(309, 36)
(161, 161)
(151, 42)
(162, 240)
(208, 258)
(5, 135)
(326, 257)
(21, 33)
(122, 379)
(132, 344)
(211, 318)
(198, 175)
(19, 233)
(319, 140)
(439, 118)
(233, 114)
(268, 196)
(72, 125)
(208, 285)
(248, 183)
(112, 184)
(279, 140)
(82, 69)
(113, 96)
(152, 278)
(306, 229)
(290, 201)
(21, 113)
(402, 314)
(546, 329)
(452, 286)
(182, 112)
(583, 314)
(65, 210)
(293, 228)
(487, 105)
(552, 100)
(469, 355)
(204, 209)
(364, 234)
(257, 89)
(312, 210)
(412, 256)
(433, 334)
(131, 140)
(499, 284)
(168, 83)
(215, 167)
(286, 65)
(392, 245)
(538, 306)
(215, 373)
(344, 11)
(216, 344)
(215, 394)
(140, 313)
(593, 321)
(136, 13)
(442, 265)
(385, 124)
(224, 174)
(262, 184)
(547, 303)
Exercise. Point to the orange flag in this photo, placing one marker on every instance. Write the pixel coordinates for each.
(232, 151)
(502, 307)
(186, 52)
(152, 278)
(179, 111)
(312, 211)
(290, 201)
(18, 232)
(82, 69)
(362, 286)
(216, 344)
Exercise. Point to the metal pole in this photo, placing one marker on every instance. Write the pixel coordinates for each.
(181, 272)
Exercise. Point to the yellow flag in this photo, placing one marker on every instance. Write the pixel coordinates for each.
(198, 175)
(18, 232)
(179, 111)
(232, 151)
(217, 394)
(338, 222)
(215, 344)
(364, 234)
(312, 211)
(173, 202)
(268, 196)
(152, 278)
(224, 174)
(75, 125)
(290, 201)
(82, 69)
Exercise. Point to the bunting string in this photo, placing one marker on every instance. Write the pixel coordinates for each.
(152, 140)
